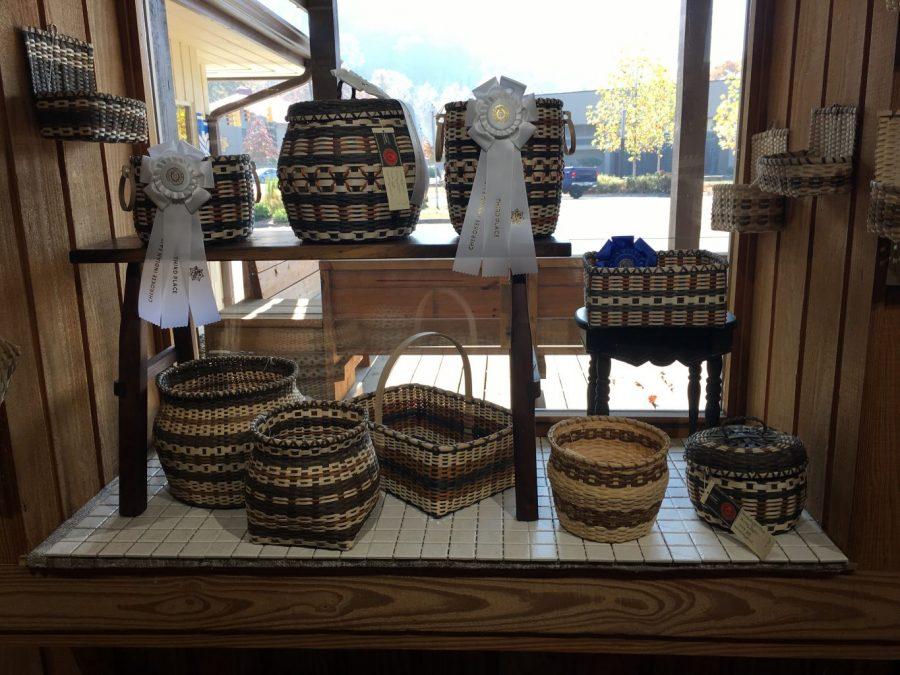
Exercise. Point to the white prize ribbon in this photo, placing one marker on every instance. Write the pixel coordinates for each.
(496, 237)
(175, 281)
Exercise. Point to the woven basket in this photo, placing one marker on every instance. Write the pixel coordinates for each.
(608, 476)
(9, 356)
(825, 168)
(313, 475)
(67, 102)
(687, 288)
(330, 171)
(746, 208)
(202, 430)
(761, 469)
(884, 204)
(542, 163)
(439, 450)
(227, 216)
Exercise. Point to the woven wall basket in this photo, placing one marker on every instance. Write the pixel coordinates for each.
(825, 168)
(687, 288)
(884, 205)
(313, 475)
(542, 163)
(202, 430)
(67, 102)
(227, 216)
(608, 476)
(9, 356)
(439, 450)
(330, 171)
(761, 469)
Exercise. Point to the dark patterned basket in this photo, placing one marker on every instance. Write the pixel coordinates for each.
(760, 468)
(686, 288)
(228, 215)
(439, 450)
(608, 476)
(542, 163)
(330, 173)
(202, 430)
(67, 102)
(9, 356)
(884, 202)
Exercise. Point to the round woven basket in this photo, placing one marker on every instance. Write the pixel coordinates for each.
(313, 475)
(608, 476)
(202, 430)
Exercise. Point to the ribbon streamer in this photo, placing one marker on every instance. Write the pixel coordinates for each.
(496, 237)
(175, 281)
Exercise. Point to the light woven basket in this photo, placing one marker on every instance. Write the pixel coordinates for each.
(884, 205)
(9, 356)
(608, 476)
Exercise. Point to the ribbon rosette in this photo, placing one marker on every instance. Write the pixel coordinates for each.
(175, 280)
(496, 236)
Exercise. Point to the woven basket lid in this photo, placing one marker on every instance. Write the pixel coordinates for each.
(745, 445)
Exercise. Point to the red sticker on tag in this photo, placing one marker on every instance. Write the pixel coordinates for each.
(390, 157)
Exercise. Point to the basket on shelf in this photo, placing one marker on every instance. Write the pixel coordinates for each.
(312, 479)
(825, 168)
(226, 216)
(746, 208)
(67, 102)
(9, 356)
(608, 476)
(439, 450)
(330, 170)
(760, 468)
(202, 430)
(884, 204)
(542, 162)
(686, 288)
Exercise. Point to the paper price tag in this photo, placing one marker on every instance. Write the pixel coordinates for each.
(742, 525)
(392, 169)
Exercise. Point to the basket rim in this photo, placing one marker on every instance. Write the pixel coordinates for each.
(165, 381)
(81, 94)
(548, 101)
(593, 420)
(800, 157)
(720, 264)
(320, 442)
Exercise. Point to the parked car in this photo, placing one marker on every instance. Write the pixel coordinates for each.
(576, 180)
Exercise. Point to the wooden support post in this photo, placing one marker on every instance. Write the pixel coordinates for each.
(186, 346)
(693, 396)
(522, 395)
(324, 47)
(690, 123)
(713, 391)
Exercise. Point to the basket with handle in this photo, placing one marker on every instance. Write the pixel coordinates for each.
(439, 450)
(9, 356)
(884, 205)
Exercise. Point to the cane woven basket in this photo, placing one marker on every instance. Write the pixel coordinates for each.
(67, 102)
(9, 356)
(330, 171)
(746, 208)
(313, 475)
(825, 168)
(884, 204)
(686, 288)
(761, 469)
(226, 216)
(439, 450)
(202, 430)
(542, 163)
(608, 476)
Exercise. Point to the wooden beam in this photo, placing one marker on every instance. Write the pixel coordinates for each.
(163, 101)
(324, 45)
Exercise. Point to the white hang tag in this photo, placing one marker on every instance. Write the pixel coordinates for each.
(392, 169)
(742, 525)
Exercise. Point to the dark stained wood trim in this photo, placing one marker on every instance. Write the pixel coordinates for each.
(324, 45)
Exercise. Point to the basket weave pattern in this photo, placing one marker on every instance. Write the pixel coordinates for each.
(9, 356)
(884, 204)
(608, 476)
(313, 476)
(542, 163)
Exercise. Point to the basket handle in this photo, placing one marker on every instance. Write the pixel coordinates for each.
(398, 352)
(728, 421)
(256, 182)
(567, 118)
(127, 175)
(439, 137)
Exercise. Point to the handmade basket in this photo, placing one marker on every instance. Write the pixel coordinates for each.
(330, 172)
(202, 430)
(746, 208)
(884, 203)
(825, 168)
(686, 288)
(439, 450)
(608, 476)
(542, 162)
(67, 102)
(761, 469)
(313, 475)
(9, 356)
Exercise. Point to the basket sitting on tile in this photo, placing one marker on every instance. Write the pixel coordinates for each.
(760, 468)
(202, 430)
(226, 216)
(746, 208)
(686, 288)
(313, 475)
(825, 168)
(439, 450)
(67, 102)
(884, 205)
(9, 356)
(608, 476)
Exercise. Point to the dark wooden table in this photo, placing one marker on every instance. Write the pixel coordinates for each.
(429, 241)
(660, 345)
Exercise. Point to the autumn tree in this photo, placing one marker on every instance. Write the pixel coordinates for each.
(258, 143)
(725, 122)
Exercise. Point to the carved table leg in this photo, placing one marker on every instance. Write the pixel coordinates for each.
(693, 396)
(601, 366)
(521, 361)
(591, 387)
(713, 391)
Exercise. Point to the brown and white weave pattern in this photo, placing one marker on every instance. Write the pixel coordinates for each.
(884, 204)
(9, 356)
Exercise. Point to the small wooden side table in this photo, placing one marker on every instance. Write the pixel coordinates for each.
(660, 345)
